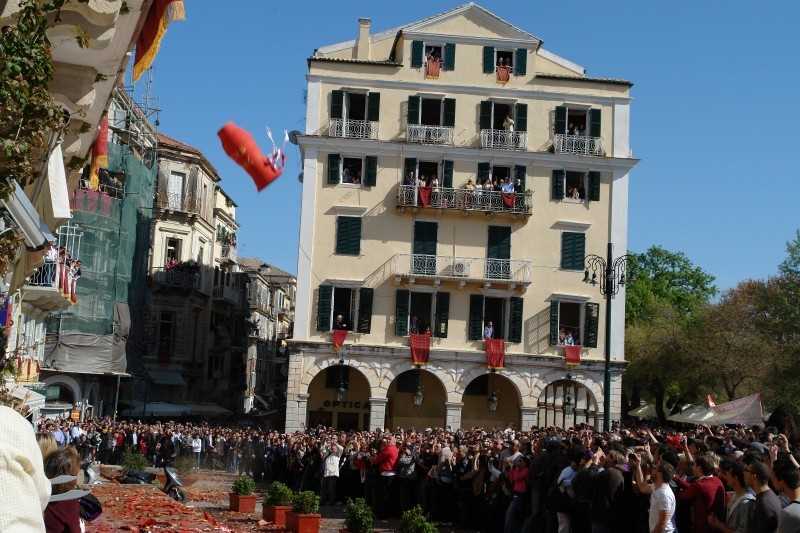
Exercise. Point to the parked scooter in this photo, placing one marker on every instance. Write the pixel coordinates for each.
(172, 484)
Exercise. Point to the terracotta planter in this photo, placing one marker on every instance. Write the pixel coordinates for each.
(304, 523)
(276, 514)
(291, 520)
(242, 504)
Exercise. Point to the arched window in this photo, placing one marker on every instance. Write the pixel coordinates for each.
(567, 403)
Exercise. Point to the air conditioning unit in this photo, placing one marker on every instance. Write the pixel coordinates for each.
(460, 268)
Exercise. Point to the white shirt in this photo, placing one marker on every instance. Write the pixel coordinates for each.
(197, 445)
(331, 466)
(662, 499)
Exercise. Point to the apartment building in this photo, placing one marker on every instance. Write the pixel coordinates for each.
(455, 174)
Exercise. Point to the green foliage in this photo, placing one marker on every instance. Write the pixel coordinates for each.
(278, 494)
(133, 460)
(305, 502)
(414, 521)
(358, 516)
(244, 485)
(790, 267)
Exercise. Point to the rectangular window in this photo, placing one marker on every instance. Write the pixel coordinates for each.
(495, 318)
(355, 106)
(569, 323)
(573, 250)
(433, 60)
(348, 235)
(574, 186)
(343, 308)
(175, 189)
(422, 312)
(172, 254)
(504, 57)
(431, 112)
(352, 170)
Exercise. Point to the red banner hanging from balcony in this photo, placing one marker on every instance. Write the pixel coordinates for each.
(420, 345)
(338, 337)
(572, 355)
(495, 352)
(508, 199)
(425, 196)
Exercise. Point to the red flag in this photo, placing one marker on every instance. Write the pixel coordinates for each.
(242, 148)
(425, 196)
(572, 355)
(495, 352)
(420, 345)
(508, 199)
(337, 338)
(161, 13)
(99, 154)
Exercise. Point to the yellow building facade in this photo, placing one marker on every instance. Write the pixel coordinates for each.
(395, 237)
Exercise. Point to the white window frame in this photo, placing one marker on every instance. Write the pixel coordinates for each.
(345, 104)
(434, 292)
(581, 316)
(179, 254)
(585, 198)
(425, 45)
(355, 297)
(586, 109)
(363, 159)
(511, 102)
(506, 314)
(431, 96)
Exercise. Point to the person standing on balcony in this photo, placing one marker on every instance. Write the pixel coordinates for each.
(488, 330)
(507, 186)
(508, 123)
(339, 323)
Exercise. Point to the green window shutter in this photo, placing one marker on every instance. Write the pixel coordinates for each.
(594, 186)
(425, 238)
(521, 124)
(447, 174)
(486, 115)
(449, 112)
(442, 314)
(413, 109)
(416, 54)
(333, 169)
(573, 250)
(348, 235)
(558, 184)
(410, 168)
(475, 327)
(337, 104)
(515, 320)
(324, 307)
(520, 173)
(560, 124)
(483, 171)
(373, 107)
(365, 296)
(499, 246)
(553, 322)
(488, 59)
(521, 61)
(401, 313)
(449, 56)
(371, 171)
(590, 321)
(594, 122)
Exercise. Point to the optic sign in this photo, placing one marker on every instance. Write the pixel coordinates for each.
(347, 405)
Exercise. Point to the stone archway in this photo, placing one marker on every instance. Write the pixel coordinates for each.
(339, 396)
(566, 403)
(491, 400)
(68, 384)
(404, 408)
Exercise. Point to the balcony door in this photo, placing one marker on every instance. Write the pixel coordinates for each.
(355, 106)
(498, 253)
(423, 260)
(175, 189)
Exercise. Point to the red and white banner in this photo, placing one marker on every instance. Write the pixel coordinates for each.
(495, 352)
(572, 355)
(420, 345)
(337, 338)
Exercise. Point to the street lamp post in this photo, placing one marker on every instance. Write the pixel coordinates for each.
(612, 273)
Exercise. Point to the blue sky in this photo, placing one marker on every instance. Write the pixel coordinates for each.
(714, 118)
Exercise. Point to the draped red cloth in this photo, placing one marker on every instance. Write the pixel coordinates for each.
(337, 338)
(425, 196)
(495, 352)
(420, 345)
(572, 355)
(242, 148)
(508, 199)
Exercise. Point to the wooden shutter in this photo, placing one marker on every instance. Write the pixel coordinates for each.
(554, 322)
(483, 171)
(558, 184)
(442, 314)
(374, 107)
(371, 171)
(447, 174)
(365, 296)
(337, 104)
(594, 186)
(486, 115)
(416, 54)
(410, 167)
(499, 246)
(475, 326)
(594, 122)
(348, 235)
(401, 313)
(521, 62)
(520, 173)
(515, 320)
(324, 307)
(521, 124)
(333, 169)
(449, 112)
(590, 321)
(488, 59)
(413, 109)
(449, 56)
(573, 250)
(560, 124)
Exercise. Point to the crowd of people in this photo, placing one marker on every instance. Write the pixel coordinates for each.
(629, 480)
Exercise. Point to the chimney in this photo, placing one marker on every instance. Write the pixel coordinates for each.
(362, 50)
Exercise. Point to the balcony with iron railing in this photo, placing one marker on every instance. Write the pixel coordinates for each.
(577, 144)
(487, 271)
(419, 133)
(464, 200)
(178, 202)
(175, 278)
(504, 139)
(50, 287)
(353, 129)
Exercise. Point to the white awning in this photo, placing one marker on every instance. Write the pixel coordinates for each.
(34, 230)
(32, 399)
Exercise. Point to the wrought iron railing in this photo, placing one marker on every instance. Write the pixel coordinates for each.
(418, 133)
(47, 274)
(175, 278)
(466, 200)
(577, 144)
(461, 268)
(504, 139)
(177, 202)
(357, 129)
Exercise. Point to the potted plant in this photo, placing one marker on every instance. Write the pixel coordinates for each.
(358, 517)
(304, 516)
(414, 521)
(277, 502)
(242, 499)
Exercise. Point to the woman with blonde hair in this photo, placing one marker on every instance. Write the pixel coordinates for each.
(47, 444)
